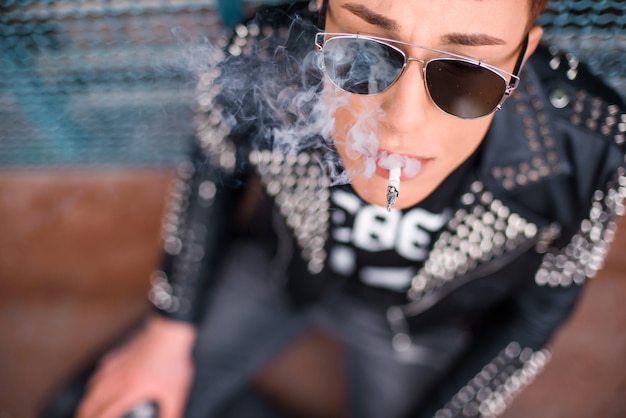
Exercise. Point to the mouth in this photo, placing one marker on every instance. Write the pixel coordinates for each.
(411, 166)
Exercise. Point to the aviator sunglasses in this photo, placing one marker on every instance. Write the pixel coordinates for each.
(459, 86)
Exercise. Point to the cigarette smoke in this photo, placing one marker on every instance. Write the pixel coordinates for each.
(272, 93)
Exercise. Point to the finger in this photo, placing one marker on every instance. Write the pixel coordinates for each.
(113, 359)
(99, 393)
(175, 403)
(109, 365)
(173, 407)
(119, 356)
(102, 375)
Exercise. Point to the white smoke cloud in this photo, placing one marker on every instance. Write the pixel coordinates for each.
(274, 92)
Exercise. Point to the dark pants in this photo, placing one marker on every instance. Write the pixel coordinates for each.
(250, 319)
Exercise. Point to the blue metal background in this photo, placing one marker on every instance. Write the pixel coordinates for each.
(93, 82)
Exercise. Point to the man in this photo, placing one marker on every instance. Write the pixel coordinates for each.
(438, 290)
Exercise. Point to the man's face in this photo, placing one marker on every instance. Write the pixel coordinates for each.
(403, 120)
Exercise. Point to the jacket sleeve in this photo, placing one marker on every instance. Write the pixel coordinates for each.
(228, 121)
(506, 355)
(194, 231)
(513, 346)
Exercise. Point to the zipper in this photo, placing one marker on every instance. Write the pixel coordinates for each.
(398, 315)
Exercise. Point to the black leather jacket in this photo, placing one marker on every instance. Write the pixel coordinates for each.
(532, 224)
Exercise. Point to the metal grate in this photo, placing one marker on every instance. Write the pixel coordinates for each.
(97, 81)
(594, 31)
(103, 81)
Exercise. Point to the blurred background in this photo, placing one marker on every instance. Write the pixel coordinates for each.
(96, 108)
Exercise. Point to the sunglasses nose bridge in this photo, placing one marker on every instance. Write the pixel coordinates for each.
(421, 62)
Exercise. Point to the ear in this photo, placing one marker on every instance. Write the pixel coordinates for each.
(319, 4)
(534, 37)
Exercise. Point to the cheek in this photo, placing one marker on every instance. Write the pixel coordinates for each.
(348, 108)
(337, 104)
(463, 137)
(356, 119)
(343, 119)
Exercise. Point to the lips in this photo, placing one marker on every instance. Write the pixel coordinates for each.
(411, 165)
(384, 172)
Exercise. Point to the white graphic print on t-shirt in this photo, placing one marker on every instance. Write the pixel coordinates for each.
(381, 248)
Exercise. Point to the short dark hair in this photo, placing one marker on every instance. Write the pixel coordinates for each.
(536, 8)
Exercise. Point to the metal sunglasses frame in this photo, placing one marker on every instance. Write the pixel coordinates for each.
(321, 38)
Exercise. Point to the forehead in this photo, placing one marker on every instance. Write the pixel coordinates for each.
(505, 19)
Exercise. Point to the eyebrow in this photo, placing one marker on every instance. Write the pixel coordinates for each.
(470, 39)
(465, 39)
(371, 16)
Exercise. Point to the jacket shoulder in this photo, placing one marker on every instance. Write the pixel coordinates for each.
(576, 95)
(558, 141)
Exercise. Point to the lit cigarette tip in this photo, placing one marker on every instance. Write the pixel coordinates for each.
(393, 187)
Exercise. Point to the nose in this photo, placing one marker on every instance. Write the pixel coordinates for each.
(407, 103)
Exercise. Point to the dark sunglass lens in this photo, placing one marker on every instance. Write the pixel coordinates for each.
(464, 89)
(361, 66)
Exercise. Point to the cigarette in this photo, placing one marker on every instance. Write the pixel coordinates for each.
(393, 186)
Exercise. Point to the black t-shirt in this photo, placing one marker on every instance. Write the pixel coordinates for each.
(379, 249)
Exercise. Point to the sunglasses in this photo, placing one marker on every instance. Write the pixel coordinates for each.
(457, 85)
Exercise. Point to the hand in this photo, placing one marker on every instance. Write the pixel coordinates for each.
(155, 365)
